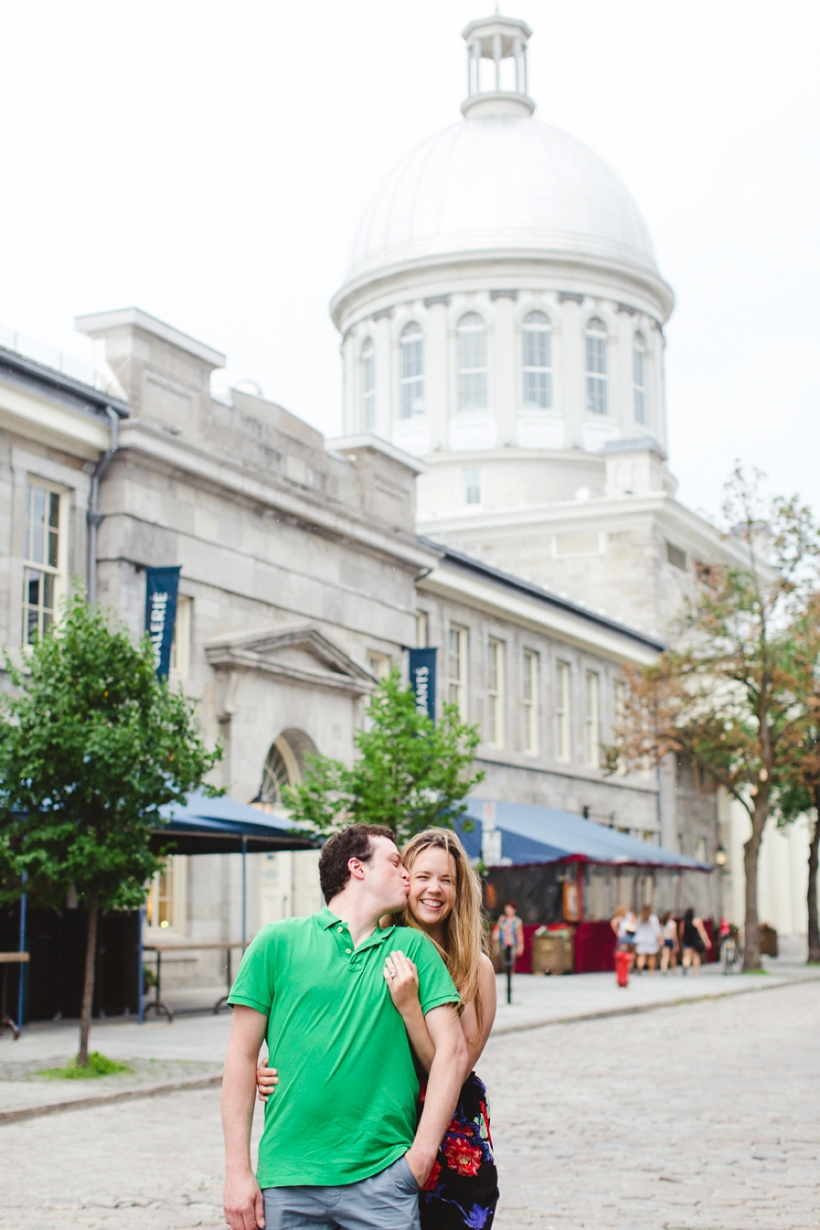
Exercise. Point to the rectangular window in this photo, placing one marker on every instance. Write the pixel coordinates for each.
(620, 696)
(530, 699)
(591, 722)
(378, 664)
(457, 669)
(562, 711)
(165, 907)
(42, 560)
(422, 629)
(596, 373)
(369, 387)
(638, 387)
(181, 644)
(495, 693)
(412, 372)
(472, 486)
(676, 556)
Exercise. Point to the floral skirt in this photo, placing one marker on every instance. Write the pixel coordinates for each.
(462, 1190)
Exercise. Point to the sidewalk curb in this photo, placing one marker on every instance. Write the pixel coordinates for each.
(103, 1099)
(635, 1009)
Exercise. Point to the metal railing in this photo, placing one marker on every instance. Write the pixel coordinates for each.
(47, 356)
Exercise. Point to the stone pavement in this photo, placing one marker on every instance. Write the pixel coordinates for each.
(190, 1052)
(697, 1116)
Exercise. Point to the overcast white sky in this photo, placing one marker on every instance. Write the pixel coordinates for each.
(209, 162)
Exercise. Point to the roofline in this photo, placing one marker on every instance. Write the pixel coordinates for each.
(61, 383)
(469, 564)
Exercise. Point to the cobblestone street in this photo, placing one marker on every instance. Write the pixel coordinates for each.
(701, 1115)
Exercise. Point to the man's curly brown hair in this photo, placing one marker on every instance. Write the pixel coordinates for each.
(351, 842)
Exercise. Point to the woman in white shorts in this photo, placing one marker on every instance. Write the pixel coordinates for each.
(648, 938)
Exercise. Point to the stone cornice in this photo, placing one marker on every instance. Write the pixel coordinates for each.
(203, 466)
(613, 515)
(385, 282)
(573, 627)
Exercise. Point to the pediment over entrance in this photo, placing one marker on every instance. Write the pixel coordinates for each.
(300, 653)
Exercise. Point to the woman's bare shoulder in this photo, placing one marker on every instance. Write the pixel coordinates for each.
(486, 970)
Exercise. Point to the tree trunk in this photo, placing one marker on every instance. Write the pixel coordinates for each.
(751, 850)
(88, 986)
(814, 926)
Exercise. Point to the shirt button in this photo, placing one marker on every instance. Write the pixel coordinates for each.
(340, 929)
(347, 950)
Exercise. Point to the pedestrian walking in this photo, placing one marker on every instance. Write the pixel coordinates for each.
(624, 924)
(445, 903)
(342, 1148)
(671, 947)
(648, 937)
(694, 941)
(508, 932)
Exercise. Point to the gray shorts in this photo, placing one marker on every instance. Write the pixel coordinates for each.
(388, 1200)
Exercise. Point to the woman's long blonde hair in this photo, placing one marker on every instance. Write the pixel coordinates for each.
(464, 935)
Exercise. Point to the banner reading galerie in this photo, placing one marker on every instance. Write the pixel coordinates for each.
(423, 679)
(161, 589)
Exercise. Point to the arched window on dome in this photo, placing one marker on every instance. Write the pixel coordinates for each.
(596, 367)
(412, 371)
(639, 378)
(368, 386)
(537, 361)
(471, 363)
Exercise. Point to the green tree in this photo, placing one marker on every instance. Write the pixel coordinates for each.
(410, 772)
(798, 792)
(731, 693)
(91, 747)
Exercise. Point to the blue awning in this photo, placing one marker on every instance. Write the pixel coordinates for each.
(534, 834)
(225, 826)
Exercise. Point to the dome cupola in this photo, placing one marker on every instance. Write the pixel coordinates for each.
(497, 67)
(502, 311)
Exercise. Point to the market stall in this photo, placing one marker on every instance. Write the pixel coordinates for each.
(565, 872)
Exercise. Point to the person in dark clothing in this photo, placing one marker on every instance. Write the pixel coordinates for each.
(694, 940)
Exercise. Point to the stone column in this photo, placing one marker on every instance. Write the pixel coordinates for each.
(570, 354)
(502, 365)
(436, 373)
(623, 401)
(386, 395)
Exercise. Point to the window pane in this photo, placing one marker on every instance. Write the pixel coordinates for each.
(471, 363)
(537, 361)
(638, 382)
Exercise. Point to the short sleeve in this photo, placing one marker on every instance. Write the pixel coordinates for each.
(436, 987)
(254, 985)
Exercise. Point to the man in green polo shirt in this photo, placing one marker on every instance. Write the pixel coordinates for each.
(340, 1148)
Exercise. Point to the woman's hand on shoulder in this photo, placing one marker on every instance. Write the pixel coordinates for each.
(402, 978)
(266, 1080)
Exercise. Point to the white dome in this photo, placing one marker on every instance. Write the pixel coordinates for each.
(500, 182)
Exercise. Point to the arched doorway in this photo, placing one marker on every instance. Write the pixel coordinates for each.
(284, 766)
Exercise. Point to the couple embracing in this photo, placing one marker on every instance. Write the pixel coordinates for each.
(375, 1119)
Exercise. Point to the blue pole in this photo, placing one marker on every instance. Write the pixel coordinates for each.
(244, 890)
(140, 1011)
(21, 988)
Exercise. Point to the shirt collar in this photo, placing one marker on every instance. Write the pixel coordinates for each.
(327, 919)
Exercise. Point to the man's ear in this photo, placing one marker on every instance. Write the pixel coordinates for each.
(356, 868)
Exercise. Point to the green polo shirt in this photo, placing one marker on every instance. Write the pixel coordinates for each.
(345, 1105)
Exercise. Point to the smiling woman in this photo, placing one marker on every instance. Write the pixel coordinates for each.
(445, 903)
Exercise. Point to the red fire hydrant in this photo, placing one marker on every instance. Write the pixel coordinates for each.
(622, 968)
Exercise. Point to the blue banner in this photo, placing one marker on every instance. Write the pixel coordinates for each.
(423, 679)
(161, 588)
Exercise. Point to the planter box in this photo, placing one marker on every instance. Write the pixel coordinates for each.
(768, 941)
(553, 953)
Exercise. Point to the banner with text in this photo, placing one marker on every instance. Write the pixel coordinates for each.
(423, 679)
(161, 588)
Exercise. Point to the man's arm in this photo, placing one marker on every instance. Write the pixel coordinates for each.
(447, 1072)
(242, 1199)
